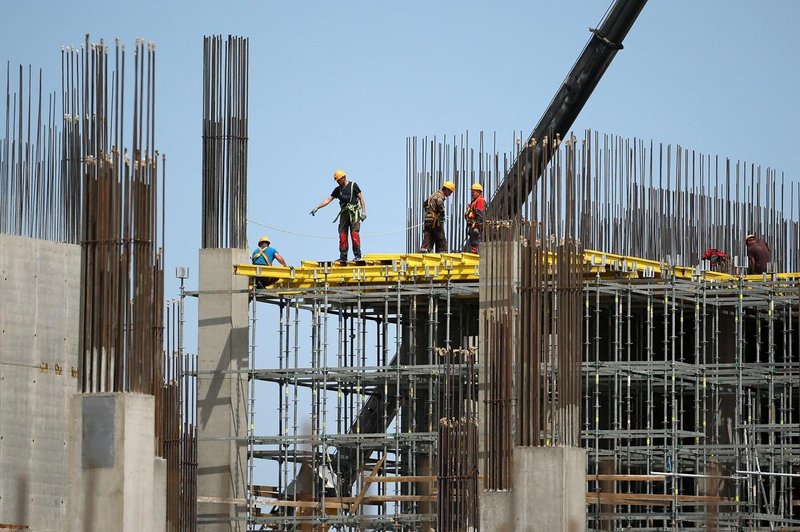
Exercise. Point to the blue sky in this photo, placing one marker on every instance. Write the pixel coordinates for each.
(342, 84)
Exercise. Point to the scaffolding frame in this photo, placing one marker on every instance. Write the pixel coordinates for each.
(403, 349)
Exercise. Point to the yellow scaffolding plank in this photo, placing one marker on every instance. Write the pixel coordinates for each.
(383, 268)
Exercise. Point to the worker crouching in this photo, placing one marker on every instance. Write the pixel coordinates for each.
(265, 255)
(433, 225)
(474, 217)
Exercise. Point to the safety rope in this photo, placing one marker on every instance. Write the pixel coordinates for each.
(286, 231)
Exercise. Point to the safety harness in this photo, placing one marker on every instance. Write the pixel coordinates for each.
(260, 253)
(437, 218)
(474, 215)
(353, 210)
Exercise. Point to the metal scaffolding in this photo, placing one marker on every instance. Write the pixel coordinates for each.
(366, 370)
(688, 375)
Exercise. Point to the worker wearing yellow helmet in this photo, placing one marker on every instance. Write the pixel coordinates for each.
(265, 255)
(352, 211)
(474, 217)
(433, 226)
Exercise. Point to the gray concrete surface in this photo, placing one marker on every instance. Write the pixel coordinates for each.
(117, 483)
(495, 511)
(548, 493)
(549, 490)
(222, 398)
(39, 301)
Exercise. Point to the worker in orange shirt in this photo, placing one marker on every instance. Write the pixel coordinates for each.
(474, 216)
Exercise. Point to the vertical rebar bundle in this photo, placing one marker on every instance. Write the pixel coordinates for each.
(122, 276)
(39, 190)
(225, 105)
(498, 342)
(635, 198)
(179, 424)
(457, 477)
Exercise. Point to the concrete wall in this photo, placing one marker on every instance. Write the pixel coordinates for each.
(39, 320)
(222, 398)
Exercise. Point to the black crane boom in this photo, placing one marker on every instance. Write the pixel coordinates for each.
(570, 98)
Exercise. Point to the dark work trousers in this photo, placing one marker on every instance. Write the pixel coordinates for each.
(435, 234)
(344, 226)
(474, 237)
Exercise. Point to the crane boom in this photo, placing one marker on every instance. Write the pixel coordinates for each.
(570, 98)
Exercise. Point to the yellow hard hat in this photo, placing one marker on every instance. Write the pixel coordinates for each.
(338, 174)
(449, 185)
(264, 238)
(750, 236)
(476, 186)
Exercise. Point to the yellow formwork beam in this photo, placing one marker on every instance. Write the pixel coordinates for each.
(374, 269)
(383, 268)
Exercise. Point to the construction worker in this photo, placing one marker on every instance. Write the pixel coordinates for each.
(265, 255)
(758, 255)
(352, 211)
(474, 216)
(433, 226)
(715, 257)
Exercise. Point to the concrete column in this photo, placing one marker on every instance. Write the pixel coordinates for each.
(222, 397)
(39, 318)
(549, 489)
(114, 484)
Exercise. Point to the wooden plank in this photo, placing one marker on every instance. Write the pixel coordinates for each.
(366, 484)
(381, 499)
(627, 478)
(409, 478)
(220, 500)
(332, 503)
(645, 497)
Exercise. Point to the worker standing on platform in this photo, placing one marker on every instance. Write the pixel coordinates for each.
(433, 226)
(352, 211)
(264, 255)
(758, 255)
(474, 216)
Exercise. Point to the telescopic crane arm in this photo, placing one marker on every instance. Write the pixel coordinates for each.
(564, 108)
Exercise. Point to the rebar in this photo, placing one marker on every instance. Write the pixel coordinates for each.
(225, 127)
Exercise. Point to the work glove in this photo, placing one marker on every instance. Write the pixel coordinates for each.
(313, 212)
(363, 216)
